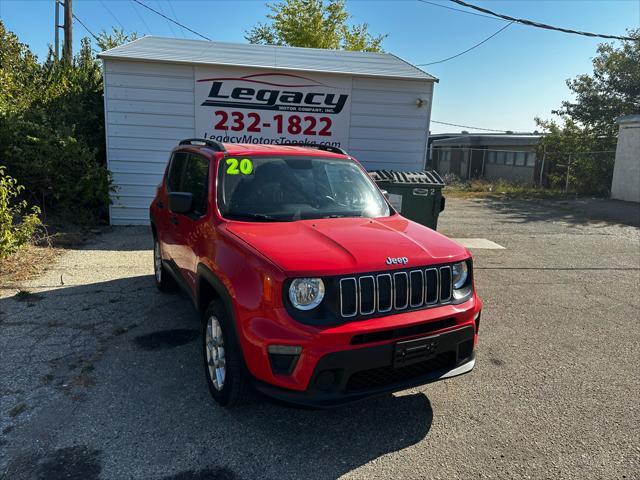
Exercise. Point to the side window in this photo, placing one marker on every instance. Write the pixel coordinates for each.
(176, 171)
(195, 182)
(531, 159)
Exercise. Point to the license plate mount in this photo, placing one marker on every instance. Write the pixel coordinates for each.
(418, 350)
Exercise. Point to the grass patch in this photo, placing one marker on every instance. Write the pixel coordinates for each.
(28, 262)
(34, 259)
(457, 188)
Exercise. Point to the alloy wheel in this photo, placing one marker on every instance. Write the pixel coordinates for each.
(214, 345)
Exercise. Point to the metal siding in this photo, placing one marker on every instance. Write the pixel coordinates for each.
(388, 130)
(183, 51)
(141, 95)
(161, 108)
(148, 109)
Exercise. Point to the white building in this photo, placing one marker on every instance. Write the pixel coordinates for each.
(161, 90)
(626, 171)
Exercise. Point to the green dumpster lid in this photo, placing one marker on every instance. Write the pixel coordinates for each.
(425, 177)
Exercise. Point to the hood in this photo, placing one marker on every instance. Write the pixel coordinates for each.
(335, 246)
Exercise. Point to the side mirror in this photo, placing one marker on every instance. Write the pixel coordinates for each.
(181, 202)
(385, 193)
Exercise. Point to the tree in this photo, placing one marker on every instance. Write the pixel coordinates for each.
(19, 74)
(580, 150)
(314, 24)
(612, 91)
(588, 123)
(52, 129)
(115, 38)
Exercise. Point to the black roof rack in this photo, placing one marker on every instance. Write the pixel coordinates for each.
(325, 148)
(217, 146)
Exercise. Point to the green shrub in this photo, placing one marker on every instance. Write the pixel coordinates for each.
(52, 130)
(59, 172)
(18, 222)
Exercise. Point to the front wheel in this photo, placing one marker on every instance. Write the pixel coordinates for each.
(226, 376)
(164, 280)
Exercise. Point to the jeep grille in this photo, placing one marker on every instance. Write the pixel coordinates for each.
(395, 291)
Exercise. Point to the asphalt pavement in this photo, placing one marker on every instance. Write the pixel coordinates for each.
(101, 375)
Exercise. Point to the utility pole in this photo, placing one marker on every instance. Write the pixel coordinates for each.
(57, 30)
(67, 50)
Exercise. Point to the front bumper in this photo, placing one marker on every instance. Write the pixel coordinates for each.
(352, 375)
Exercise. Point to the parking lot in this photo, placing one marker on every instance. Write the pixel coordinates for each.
(102, 375)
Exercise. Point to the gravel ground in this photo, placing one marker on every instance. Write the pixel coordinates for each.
(101, 374)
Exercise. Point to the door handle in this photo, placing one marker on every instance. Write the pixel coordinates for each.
(174, 220)
(159, 204)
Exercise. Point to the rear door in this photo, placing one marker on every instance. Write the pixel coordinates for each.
(189, 233)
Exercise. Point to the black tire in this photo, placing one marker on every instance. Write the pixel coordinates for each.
(163, 279)
(236, 387)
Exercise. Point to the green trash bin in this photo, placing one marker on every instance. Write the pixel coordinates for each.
(415, 195)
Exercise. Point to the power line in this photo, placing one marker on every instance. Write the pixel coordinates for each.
(459, 10)
(531, 23)
(468, 49)
(467, 126)
(111, 13)
(86, 28)
(171, 19)
(141, 18)
(169, 24)
(175, 16)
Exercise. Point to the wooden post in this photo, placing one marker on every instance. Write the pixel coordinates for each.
(484, 154)
(566, 183)
(544, 156)
(57, 30)
(67, 50)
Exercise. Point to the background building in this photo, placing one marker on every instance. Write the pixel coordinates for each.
(508, 156)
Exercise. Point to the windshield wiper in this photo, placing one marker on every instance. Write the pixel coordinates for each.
(254, 216)
(334, 215)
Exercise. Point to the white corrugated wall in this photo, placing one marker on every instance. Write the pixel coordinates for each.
(388, 129)
(150, 107)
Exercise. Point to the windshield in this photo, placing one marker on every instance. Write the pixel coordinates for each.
(295, 188)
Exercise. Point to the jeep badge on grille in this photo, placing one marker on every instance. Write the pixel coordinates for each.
(396, 260)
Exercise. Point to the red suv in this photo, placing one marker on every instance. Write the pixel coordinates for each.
(312, 289)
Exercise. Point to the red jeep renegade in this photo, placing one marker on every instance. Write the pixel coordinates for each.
(311, 287)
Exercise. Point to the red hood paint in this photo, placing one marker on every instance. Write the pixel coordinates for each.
(335, 246)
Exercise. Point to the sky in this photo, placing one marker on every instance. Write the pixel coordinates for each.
(503, 84)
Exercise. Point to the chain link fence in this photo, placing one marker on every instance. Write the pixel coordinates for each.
(588, 171)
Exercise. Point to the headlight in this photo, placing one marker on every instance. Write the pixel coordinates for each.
(462, 288)
(306, 293)
(460, 274)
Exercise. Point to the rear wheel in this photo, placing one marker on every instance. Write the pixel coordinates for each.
(164, 281)
(227, 378)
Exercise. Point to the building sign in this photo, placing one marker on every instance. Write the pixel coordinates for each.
(256, 106)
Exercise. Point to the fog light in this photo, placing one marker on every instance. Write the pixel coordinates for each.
(325, 380)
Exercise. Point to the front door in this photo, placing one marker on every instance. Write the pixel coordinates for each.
(189, 227)
(167, 221)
